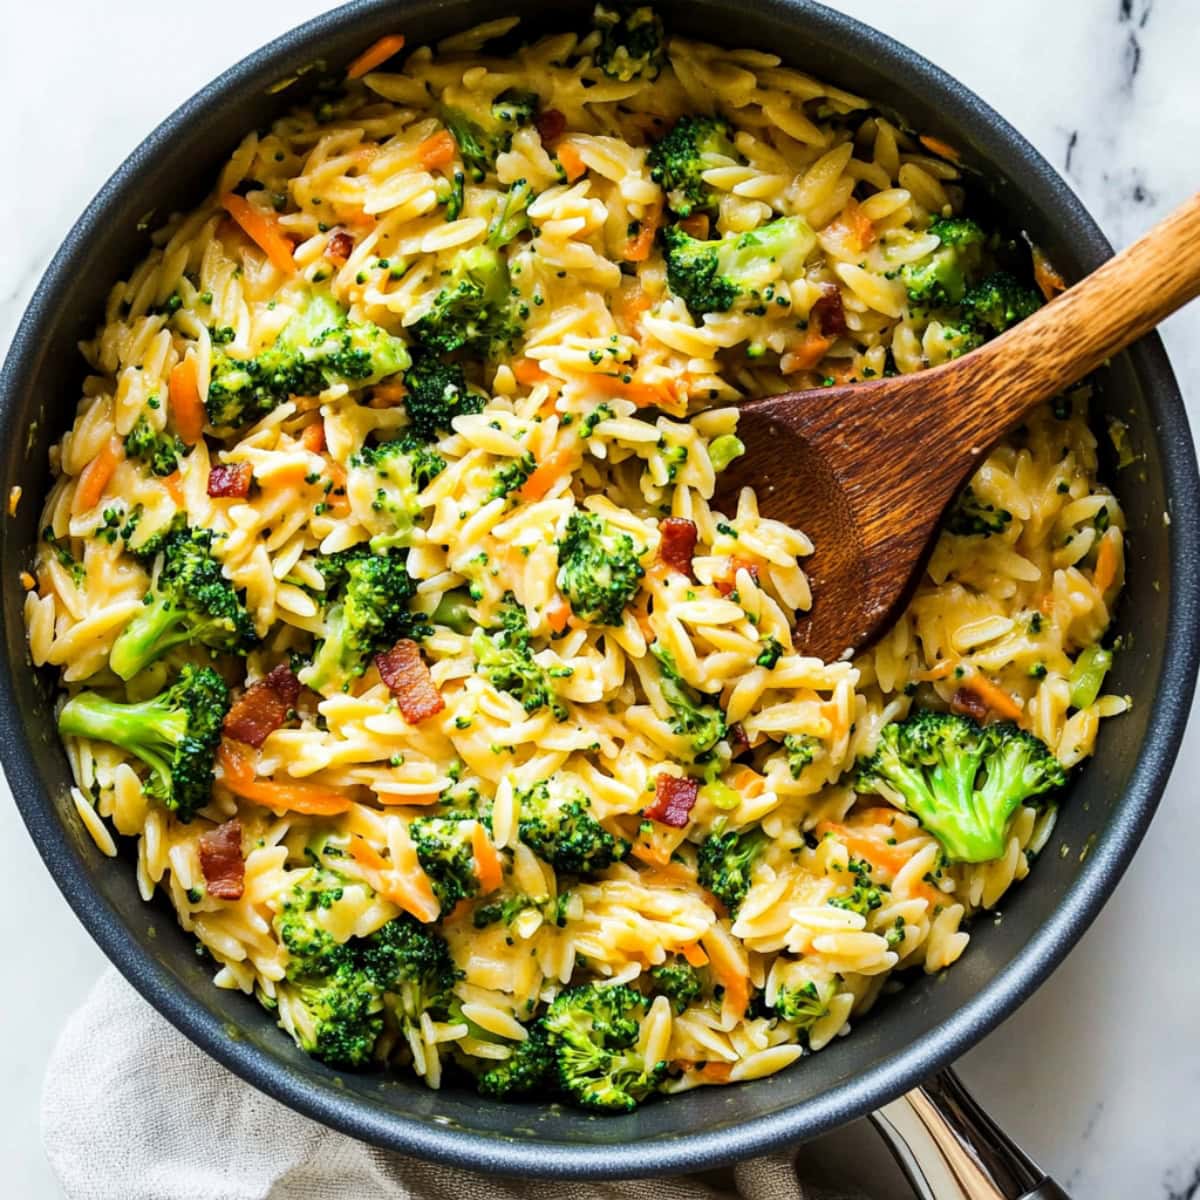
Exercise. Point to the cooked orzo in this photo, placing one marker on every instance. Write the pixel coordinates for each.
(397, 628)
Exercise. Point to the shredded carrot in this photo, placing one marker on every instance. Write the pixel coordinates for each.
(940, 148)
(305, 798)
(649, 854)
(859, 224)
(95, 477)
(810, 351)
(262, 229)
(487, 861)
(716, 1072)
(313, 437)
(419, 800)
(528, 373)
(1105, 574)
(862, 845)
(292, 475)
(693, 954)
(1046, 604)
(558, 613)
(405, 884)
(877, 814)
(730, 972)
(388, 395)
(183, 397)
(749, 782)
(641, 393)
(572, 163)
(1045, 275)
(174, 485)
(695, 226)
(437, 150)
(939, 670)
(638, 248)
(630, 305)
(552, 468)
(375, 55)
(998, 700)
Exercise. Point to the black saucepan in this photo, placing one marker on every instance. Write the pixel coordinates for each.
(913, 1034)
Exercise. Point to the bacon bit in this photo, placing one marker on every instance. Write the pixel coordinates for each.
(940, 148)
(339, 247)
(740, 742)
(221, 861)
(969, 704)
(1045, 276)
(558, 613)
(572, 162)
(828, 312)
(437, 150)
(408, 679)
(96, 476)
(233, 479)
(313, 437)
(693, 954)
(263, 229)
(695, 226)
(678, 543)
(263, 707)
(550, 125)
(674, 799)
(308, 799)
(727, 582)
(638, 248)
(375, 55)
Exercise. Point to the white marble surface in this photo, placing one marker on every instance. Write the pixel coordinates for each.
(1099, 1074)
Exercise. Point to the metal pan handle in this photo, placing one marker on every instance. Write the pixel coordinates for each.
(950, 1149)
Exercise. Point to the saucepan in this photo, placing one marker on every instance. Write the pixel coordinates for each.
(947, 1145)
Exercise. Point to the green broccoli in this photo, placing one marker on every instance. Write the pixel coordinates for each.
(512, 217)
(175, 734)
(770, 654)
(864, 896)
(437, 393)
(338, 1015)
(529, 1069)
(367, 599)
(593, 1033)
(505, 656)
(474, 311)
(319, 347)
(801, 749)
(678, 981)
(598, 568)
(971, 516)
(677, 162)
(997, 303)
(558, 827)
(444, 850)
(693, 713)
(631, 43)
(312, 949)
(1087, 675)
(396, 471)
(411, 966)
(725, 862)
(510, 477)
(190, 602)
(740, 270)
(940, 279)
(481, 141)
(159, 451)
(806, 1003)
(454, 612)
(963, 782)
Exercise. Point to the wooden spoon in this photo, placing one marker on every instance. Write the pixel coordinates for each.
(868, 469)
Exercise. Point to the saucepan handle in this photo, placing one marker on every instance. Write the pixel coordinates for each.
(950, 1149)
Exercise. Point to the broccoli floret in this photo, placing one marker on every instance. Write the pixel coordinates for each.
(529, 1069)
(505, 656)
(770, 654)
(864, 896)
(175, 734)
(512, 217)
(481, 141)
(962, 781)
(558, 827)
(598, 568)
(474, 311)
(969, 515)
(367, 599)
(940, 279)
(739, 269)
(693, 713)
(437, 393)
(631, 43)
(191, 602)
(801, 749)
(725, 862)
(454, 611)
(338, 1016)
(159, 451)
(394, 473)
(512, 475)
(998, 302)
(806, 1003)
(312, 949)
(593, 1034)
(504, 910)
(678, 981)
(411, 966)
(444, 849)
(678, 161)
(319, 347)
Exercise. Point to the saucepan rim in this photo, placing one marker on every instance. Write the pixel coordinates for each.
(880, 1083)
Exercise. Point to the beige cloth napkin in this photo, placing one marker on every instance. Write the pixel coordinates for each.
(133, 1111)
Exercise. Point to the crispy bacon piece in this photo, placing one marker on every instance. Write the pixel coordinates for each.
(968, 703)
(408, 679)
(338, 248)
(829, 312)
(551, 125)
(738, 741)
(726, 583)
(233, 480)
(222, 862)
(678, 543)
(673, 801)
(263, 707)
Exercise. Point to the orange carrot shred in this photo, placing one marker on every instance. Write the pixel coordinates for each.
(716, 1072)
(940, 148)
(487, 861)
(551, 469)
(262, 229)
(693, 954)
(809, 353)
(305, 798)
(313, 437)
(998, 700)
(1105, 574)
(528, 373)
(638, 248)
(572, 163)
(183, 397)
(695, 226)
(174, 485)
(1045, 276)
(95, 477)
(437, 150)
(375, 55)
(558, 613)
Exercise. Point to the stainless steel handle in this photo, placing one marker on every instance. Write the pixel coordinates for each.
(950, 1149)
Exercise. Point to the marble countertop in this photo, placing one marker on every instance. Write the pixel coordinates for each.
(1098, 1075)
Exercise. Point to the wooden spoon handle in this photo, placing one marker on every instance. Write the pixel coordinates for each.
(1102, 314)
